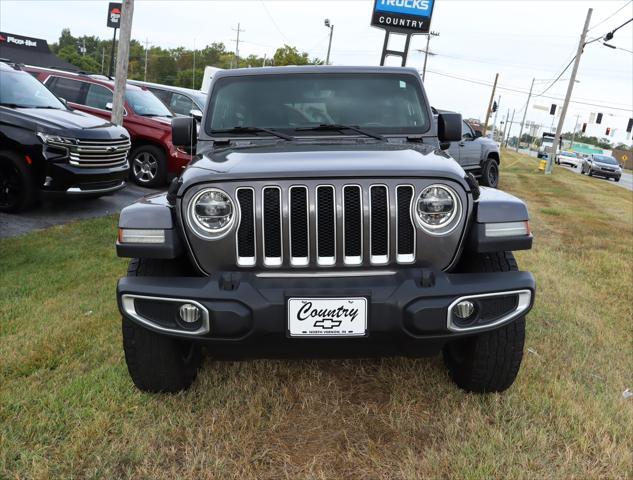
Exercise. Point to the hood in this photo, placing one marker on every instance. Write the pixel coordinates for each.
(302, 160)
(68, 123)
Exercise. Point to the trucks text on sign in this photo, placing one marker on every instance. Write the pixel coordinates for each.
(408, 16)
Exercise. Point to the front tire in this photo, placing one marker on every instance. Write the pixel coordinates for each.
(149, 166)
(158, 363)
(17, 191)
(490, 361)
(490, 173)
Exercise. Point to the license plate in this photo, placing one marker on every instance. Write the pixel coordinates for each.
(327, 317)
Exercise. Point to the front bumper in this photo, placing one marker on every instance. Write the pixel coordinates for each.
(409, 311)
(63, 179)
(605, 174)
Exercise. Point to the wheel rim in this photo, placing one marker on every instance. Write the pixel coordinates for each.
(145, 167)
(10, 186)
(493, 174)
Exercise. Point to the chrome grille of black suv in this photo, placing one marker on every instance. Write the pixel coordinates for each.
(333, 217)
(99, 153)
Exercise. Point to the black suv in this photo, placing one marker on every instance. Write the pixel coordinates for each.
(47, 148)
(320, 217)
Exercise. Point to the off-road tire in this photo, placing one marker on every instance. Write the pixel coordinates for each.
(150, 152)
(490, 173)
(15, 166)
(158, 363)
(490, 361)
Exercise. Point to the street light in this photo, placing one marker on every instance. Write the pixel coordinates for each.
(329, 47)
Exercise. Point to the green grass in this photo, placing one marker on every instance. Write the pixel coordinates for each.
(69, 410)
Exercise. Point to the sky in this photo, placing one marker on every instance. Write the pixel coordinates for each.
(519, 40)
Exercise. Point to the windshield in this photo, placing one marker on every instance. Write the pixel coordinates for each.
(605, 159)
(145, 103)
(200, 99)
(384, 103)
(20, 89)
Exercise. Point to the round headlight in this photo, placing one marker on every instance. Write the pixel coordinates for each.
(437, 206)
(212, 211)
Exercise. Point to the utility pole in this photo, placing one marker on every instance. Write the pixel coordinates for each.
(570, 89)
(123, 57)
(146, 49)
(527, 105)
(494, 123)
(505, 128)
(426, 52)
(492, 97)
(510, 128)
(193, 68)
(329, 25)
(237, 45)
(573, 135)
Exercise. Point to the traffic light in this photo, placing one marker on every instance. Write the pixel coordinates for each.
(599, 118)
(494, 107)
(629, 126)
(607, 132)
(584, 128)
(552, 109)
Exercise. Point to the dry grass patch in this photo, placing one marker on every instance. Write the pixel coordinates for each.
(68, 408)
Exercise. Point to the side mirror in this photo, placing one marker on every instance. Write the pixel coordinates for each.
(477, 134)
(449, 127)
(108, 106)
(184, 131)
(197, 114)
(445, 145)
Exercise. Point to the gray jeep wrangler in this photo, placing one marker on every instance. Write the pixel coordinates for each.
(320, 217)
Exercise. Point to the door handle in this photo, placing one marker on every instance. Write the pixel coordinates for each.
(461, 144)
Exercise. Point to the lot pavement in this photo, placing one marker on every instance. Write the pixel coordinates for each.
(59, 211)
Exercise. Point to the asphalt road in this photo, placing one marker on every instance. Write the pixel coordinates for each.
(59, 211)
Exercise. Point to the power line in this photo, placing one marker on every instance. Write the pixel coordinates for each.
(488, 84)
(612, 15)
(557, 78)
(275, 23)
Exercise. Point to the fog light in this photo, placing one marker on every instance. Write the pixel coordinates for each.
(464, 309)
(189, 313)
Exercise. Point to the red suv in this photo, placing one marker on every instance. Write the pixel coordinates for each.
(153, 157)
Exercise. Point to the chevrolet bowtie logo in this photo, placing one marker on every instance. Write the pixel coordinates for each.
(327, 323)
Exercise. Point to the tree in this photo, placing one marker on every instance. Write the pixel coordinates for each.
(288, 55)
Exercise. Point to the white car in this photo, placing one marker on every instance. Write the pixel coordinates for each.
(572, 159)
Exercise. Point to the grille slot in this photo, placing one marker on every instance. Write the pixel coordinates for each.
(246, 231)
(352, 225)
(326, 225)
(103, 153)
(271, 225)
(299, 219)
(405, 232)
(379, 224)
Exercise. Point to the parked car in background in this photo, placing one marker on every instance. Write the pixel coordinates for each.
(477, 155)
(46, 147)
(572, 159)
(602, 166)
(153, 158)
(184, 102)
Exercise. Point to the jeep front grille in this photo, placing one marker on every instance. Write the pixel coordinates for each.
(99, 153)
(325, 225)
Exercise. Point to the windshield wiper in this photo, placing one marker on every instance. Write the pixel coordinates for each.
(14, 105)
(338, 127)
(155, 115)
(254, 130)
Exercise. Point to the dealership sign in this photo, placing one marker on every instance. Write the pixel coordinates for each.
(10, 39)
(406, 16)
(114, 15)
